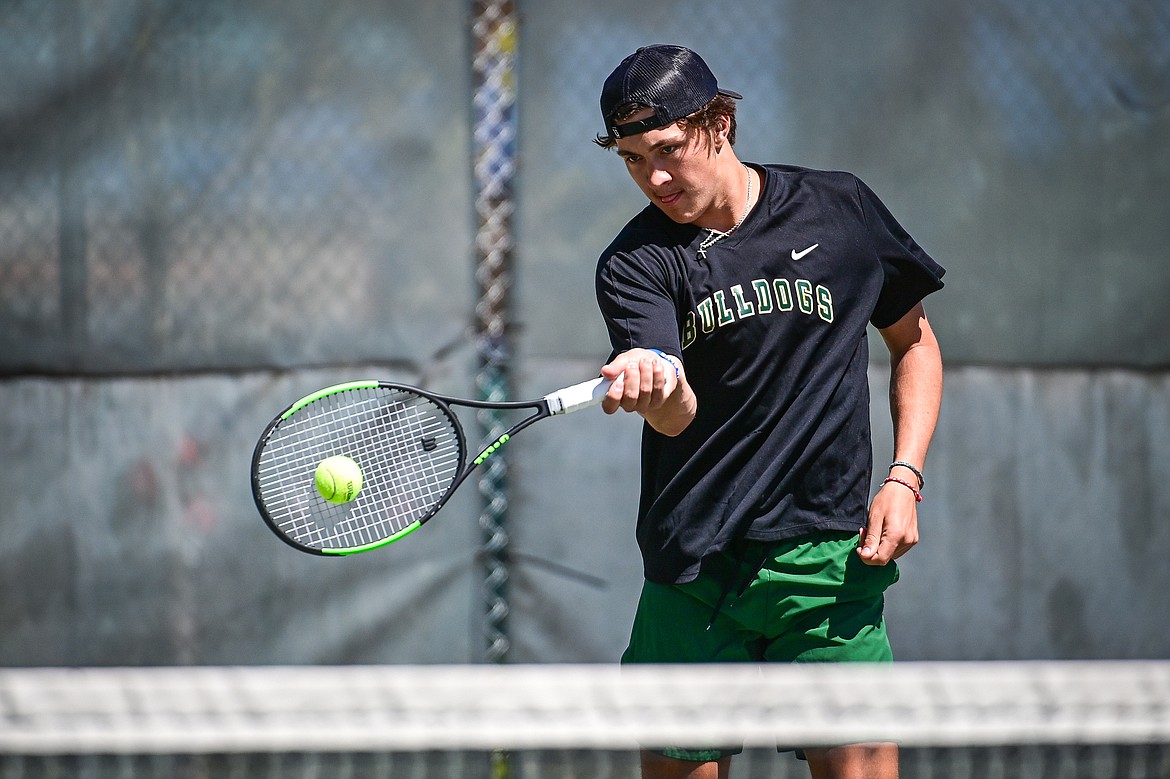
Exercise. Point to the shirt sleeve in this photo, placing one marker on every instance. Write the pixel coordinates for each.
(910, 274)
(637, 303)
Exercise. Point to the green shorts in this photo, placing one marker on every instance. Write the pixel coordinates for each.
(803, 600)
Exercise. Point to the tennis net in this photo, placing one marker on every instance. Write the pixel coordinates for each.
(1002, 720)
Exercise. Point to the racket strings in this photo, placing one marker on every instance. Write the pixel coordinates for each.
(409, 450)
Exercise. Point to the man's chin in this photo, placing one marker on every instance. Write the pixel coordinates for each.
(675, 214)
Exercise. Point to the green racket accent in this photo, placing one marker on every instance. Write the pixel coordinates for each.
(486, 453)
(350, 385)
(375, 545)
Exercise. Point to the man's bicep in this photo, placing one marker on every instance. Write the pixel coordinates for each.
(913, 329)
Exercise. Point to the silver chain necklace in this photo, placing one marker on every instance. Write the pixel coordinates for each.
(716, 236)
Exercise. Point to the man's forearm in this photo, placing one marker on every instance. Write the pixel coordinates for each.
(915, 397)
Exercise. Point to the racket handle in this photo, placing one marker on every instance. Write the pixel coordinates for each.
(578, 396)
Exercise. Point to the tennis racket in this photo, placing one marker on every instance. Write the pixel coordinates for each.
(407, 442)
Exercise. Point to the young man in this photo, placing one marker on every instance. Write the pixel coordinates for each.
(737, 304)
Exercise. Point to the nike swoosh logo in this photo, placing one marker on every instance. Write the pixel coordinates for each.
(797, 255)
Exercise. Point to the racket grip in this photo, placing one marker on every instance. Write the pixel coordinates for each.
(578, 396)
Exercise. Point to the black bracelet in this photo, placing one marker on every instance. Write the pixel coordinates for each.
(911, 468)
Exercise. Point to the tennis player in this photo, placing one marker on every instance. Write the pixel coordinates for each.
(737, 303)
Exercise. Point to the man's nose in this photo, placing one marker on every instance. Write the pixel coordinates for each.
(659, 177)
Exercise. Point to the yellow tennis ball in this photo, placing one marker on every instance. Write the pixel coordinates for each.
(338, 479)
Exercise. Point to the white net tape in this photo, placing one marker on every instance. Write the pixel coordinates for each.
(411, 708)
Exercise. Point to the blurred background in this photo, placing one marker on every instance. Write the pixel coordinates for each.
(208, 210)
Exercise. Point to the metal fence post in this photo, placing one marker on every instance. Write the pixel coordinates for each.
(494, 33)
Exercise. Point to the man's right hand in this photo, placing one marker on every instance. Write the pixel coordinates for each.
(651, 385)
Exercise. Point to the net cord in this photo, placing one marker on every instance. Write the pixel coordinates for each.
(414, 708)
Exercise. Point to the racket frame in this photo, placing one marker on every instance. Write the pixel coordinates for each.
(563, 401)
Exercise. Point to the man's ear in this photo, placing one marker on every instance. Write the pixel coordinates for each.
(720, 132)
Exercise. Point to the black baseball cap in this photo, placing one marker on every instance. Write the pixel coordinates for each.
(672, 80)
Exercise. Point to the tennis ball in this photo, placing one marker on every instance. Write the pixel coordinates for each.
(338, 479)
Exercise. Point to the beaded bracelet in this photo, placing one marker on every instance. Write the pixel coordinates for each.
(666, 357)
(912, 469)
(906, 484)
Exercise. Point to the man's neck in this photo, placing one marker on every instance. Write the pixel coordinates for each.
(737, 192)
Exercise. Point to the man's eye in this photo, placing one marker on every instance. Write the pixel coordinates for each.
(668, 149)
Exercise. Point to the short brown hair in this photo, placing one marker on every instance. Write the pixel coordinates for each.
(704, 119)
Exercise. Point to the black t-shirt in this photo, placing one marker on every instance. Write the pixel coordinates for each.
(771, 326)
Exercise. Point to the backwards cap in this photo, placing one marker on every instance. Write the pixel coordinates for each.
(672, 80)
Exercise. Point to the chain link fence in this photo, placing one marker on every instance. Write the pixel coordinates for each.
(221, 186)
(210, 208)
(218, 185)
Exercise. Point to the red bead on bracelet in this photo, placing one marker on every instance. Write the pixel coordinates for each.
(906, 484)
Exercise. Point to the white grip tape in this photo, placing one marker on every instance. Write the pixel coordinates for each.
(578, 396)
